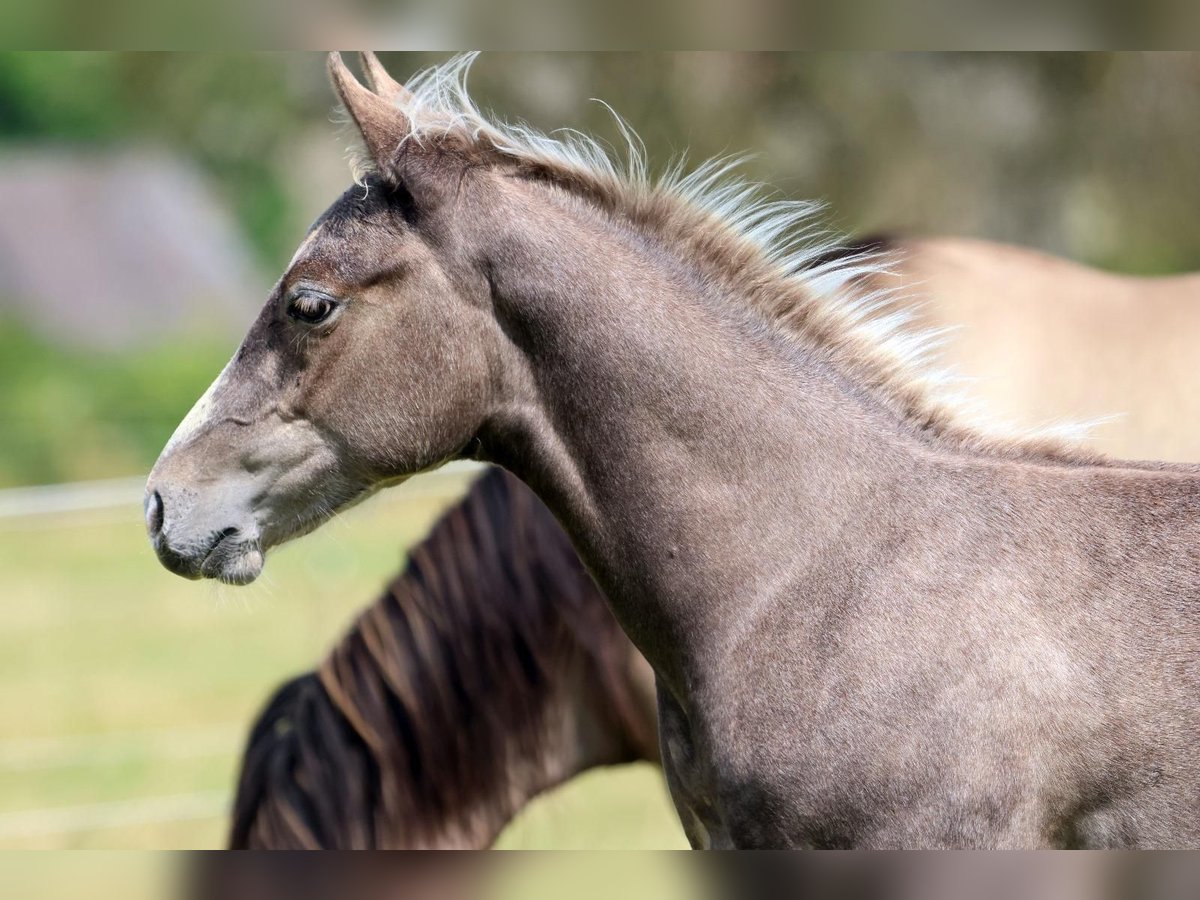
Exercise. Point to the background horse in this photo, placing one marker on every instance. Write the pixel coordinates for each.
(488, 672)
(1043, 339)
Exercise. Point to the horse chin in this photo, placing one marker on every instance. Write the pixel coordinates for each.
(233, 562)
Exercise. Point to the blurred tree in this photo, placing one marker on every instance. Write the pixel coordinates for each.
(230, 112)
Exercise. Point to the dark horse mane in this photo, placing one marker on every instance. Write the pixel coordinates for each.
(489, 670)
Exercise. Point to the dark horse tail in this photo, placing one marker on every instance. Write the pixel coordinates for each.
(429, 715)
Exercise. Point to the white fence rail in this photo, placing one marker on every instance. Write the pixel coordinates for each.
(108, 748)
(80, 496)
(126, 493)
(65, 820)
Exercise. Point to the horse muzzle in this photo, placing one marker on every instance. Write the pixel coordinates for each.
(195, 545)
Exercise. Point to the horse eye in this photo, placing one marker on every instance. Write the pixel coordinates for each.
(311, 308)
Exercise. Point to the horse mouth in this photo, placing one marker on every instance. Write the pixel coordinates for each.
(173, 562)
(232, 559)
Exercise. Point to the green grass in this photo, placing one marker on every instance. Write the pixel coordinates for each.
(120, 682)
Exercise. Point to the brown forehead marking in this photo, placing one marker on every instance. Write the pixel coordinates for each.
(340, 242)
(374, 202)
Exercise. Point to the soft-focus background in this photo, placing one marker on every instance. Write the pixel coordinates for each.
(147, 201)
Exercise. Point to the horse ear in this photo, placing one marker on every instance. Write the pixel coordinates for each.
(382, 83)
(381, 123)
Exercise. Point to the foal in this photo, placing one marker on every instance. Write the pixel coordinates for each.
(488, 672)
(871, 625)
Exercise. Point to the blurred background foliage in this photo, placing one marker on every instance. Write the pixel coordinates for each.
(1088, 155)
(70, 414)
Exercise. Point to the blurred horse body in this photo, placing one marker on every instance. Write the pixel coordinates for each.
(1044, 339)
(490, 670)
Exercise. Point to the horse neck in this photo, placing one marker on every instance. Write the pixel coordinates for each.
(682, 445)
(485, 677)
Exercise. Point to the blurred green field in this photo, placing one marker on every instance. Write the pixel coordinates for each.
(141, 875)
(125, 691)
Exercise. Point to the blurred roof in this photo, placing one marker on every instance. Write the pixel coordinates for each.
(116, 248)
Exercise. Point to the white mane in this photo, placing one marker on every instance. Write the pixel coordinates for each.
(871, 322)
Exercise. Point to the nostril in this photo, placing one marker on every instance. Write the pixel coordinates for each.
(154, 514)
